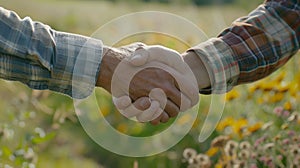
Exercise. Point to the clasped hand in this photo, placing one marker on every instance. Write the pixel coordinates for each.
(149, 83)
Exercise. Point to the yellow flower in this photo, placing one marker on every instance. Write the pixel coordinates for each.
(105, 110)
(232, 95)
(279, 78)
(225, 123)
(276, 98)
(255, 127)
(253, 88)
(268, 86)
(122, 128)
(288, 105)
(239, 125)
(212, 151)
(219, 165)
(184, 119)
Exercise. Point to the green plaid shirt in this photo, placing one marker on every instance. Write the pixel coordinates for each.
(253, 47)
(36, 55)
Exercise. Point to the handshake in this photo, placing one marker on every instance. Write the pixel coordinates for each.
(152, 83)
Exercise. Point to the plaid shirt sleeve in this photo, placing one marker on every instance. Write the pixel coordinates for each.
(253, 47)
(36, 55)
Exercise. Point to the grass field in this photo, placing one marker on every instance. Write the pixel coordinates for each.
(40, 128)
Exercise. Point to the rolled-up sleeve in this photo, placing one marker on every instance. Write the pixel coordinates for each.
(42, 58)
(253, 47)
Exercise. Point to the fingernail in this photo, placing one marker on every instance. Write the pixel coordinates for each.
(138, 60)
(145, 102)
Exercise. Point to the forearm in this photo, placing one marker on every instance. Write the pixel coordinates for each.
(111, 59)
(198, 68)
(42, 58)
(253, 47)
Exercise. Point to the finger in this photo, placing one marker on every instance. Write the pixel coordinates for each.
(178, 98)
(171, 109)
(139, 57)
(188, 88)
(159, 95)
(185, 103)
(166, 56)
(122, 102)
(142, 103)
(186, 85)
(165, 118)
(157, 120)
(153, 112)
(138, 107)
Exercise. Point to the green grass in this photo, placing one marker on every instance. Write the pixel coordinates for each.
(71, 147)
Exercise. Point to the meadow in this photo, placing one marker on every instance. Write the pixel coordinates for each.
(259, 127)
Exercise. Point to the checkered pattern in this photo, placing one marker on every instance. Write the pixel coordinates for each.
(253, 47)
(36, 55)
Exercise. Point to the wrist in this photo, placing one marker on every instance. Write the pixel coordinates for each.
(110, 61)
(198, 68)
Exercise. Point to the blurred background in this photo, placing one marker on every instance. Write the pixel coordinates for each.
(41, 129)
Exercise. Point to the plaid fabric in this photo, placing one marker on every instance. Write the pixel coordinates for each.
(253, 47)
(36, 55)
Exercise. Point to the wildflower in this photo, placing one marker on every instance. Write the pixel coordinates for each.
(269, 146)
(255, 127)
(253, 165)
(203, 161)
(278, 110)
(295, 151)
(239, 125)
(296, 160)
(189, 153)
(212, 151)
(291, 133)
(279, 157)
(244, 154)
(284, 126)
(263, 159)
(232, 95)
(285, 141)
(193, 166)
(253, 155)
(259, 141)
(286, 113)
(294, 117)
(288, 105)
(225, 123)
(270, 164)
(245, 145)
(219, 141)
(277, 137)
(239, 164)
(267, 125)
(295, 139)
(230, 148)
(232, 145)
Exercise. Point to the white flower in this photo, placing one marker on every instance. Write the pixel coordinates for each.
(189, 153)
(245, 145)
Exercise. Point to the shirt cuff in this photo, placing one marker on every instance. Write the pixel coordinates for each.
(222, 68)
(75, 65)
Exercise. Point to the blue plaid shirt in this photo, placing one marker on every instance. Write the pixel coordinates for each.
(42, 58)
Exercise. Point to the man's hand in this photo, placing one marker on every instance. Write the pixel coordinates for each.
(111, 59)
(162, 68)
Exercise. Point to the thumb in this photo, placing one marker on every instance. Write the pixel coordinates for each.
(139, 57)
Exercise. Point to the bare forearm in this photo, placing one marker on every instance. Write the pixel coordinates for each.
(198, 68)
